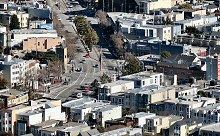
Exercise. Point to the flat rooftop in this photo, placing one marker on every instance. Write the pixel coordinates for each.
(47, 123)
(213, 107)
(140, 115)
(116, 83)
(140, 75)
(70, 126)
(120, 130)
(33, 31)
(78, 102)
(211, 127)
(11, 92)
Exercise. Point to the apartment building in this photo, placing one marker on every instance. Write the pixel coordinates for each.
(99, 111)
(35, 24)
(3, 6)
(3, 36)
(122, 131)
(197, 21)
(155, 124)
(105, 90)
(23, 18)
(12, 97)
(147, 6)
(139, 119)
(145, 78)
(185, 90)
(140, 98)
(184, 105)
(210, 130)
(14, 69)
(16, 119)
(207, 115)
(41, 44)
(21, 34)
(184, 127)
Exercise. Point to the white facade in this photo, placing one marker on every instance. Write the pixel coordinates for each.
(140, 118)
(99, 110)
(18, 34)
(122, 131)
(185, 90)
(183, 106)
(110, 88)
(145, 78)
(209, 114)
(4, 6)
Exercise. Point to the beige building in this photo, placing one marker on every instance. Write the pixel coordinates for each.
(23, 18)
(41, 44)
(12, 97)
(33, 24)
(210, 130)
(148, 5)
(9, 117)
(176, 2)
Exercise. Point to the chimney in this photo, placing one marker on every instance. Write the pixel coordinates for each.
(175, 80)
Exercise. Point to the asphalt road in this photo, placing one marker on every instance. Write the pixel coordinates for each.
(89, 72)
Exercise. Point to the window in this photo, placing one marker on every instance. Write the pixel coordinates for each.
(38, 43)
(143, 82)
(9, 129)
(9, 115)
(9, 121)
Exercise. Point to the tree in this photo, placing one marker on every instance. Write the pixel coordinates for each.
(101, 129)
(185, 6)
(105, 79)
(103, 20)
(192, 30)
(165, 54)
(3, 83)
(132, 65)
(14, 23)
(117, 40)
(91, 38)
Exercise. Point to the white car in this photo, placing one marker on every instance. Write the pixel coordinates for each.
(59, 19)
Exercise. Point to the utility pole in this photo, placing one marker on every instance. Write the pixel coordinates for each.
(103, 5)
(112, 6)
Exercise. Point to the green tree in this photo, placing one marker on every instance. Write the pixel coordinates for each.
(14, 23)
(101, 129)
(91, 38)
(3, 83)
(105, 79)
(185, 6)
(165, 54)
(132, 65)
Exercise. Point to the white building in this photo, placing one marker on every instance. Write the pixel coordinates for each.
(3, 36)
(208, 114)
(197, 21)
(122, 131)
(100, 110)
(14, 70)
(140, 98)
(3, 6)
(139, 118)
(185, 91)
(210, 130)
(184, 105)
(145, 78)
(110, 88)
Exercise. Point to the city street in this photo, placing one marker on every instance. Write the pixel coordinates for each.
(88, 72)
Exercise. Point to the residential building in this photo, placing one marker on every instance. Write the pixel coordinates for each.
(210, 130)
(99, 111)
(23, 18)
(191, 13)
(140, 98)
(197, 21)
(35, 24)
(182, 65)
(212, 67)
(14, 69)
(184, 105)
(12, 97)
(3, 6)
(139, 119)
(89, 132)
(157, 47)
(21, 34)
(110, 88)
(122, 131)
(207, 115)
(184, 90)
(211, 9)
(177, 2)
(67, 106)
(184, 127)
(41, 44)
(147, 6)
(145, 78)
(11, 116)
(3, 36)
(61, 51)
(70, 128)
(155, 124)
(37, 128)
(117, 98)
